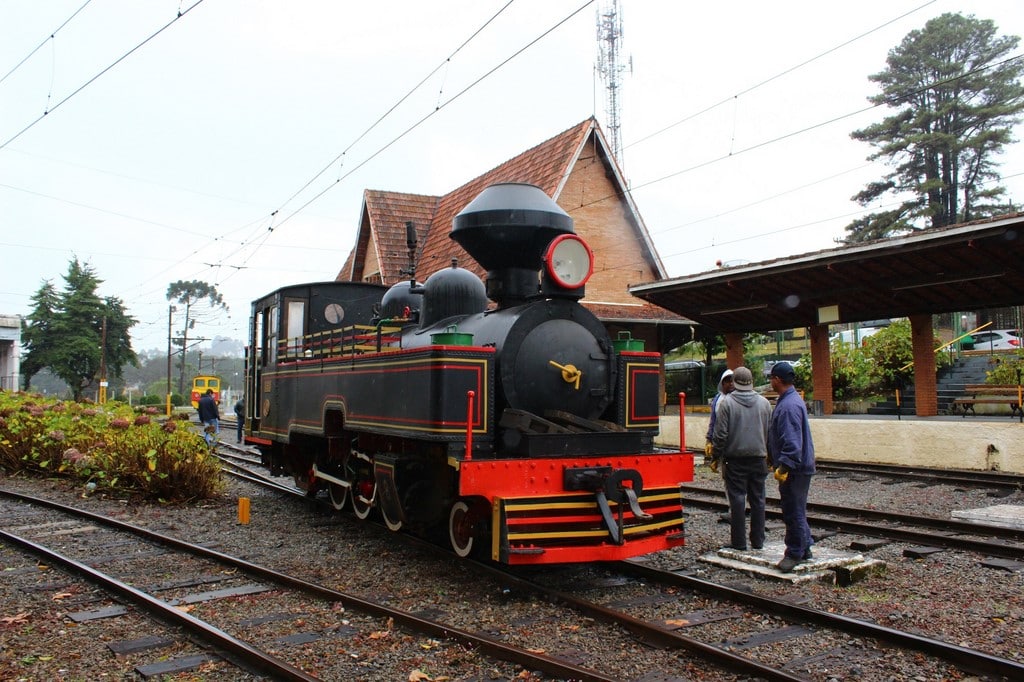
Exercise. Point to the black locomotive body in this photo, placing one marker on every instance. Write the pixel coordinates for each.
(519, 428)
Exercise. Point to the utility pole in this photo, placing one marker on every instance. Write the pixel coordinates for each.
(103, 363)
(170, 312)
(609, 66)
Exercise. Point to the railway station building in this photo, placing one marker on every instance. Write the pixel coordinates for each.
(959, 268)
(10, 352)
(576, 169)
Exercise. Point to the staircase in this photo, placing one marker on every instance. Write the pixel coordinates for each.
(969, 369)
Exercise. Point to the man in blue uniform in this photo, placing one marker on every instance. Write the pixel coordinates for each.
(792, 456)
(209, 416)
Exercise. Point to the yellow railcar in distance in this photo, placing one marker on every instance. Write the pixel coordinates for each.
(202, 382)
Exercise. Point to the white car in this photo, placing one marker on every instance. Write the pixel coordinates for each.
(854, 335)
(997, 339)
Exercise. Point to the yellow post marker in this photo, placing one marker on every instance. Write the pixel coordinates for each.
(243, 510)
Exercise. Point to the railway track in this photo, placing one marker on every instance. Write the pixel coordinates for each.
(965, 477)
(290, 594)
(676, 626)
(947, 533)
(747, 650)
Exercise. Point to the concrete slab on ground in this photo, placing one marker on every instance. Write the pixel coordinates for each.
(828, 565)
(1002, 515)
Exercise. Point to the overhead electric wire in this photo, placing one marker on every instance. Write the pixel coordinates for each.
(50, 37)
(402, 99)
(89, 82)
(415, 125)
(256, 245)
(780, 74)
(437, 109)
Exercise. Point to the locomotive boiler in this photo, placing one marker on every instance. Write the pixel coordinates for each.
(499, 413)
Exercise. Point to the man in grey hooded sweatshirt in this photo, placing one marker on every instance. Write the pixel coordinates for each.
(740, 439)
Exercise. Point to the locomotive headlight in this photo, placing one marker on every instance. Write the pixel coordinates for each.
(569, 261)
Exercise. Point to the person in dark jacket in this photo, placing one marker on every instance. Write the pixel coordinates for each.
(240, 416)
(725, 387)
(209, 417)
(792, 456)
(739, 439)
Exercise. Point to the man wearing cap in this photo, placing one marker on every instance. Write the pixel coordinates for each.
(740, 439)
(791, 452)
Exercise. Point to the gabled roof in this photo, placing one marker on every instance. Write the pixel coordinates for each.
(547, 165)
(384, 215)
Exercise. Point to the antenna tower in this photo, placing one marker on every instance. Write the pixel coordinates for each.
(609, 38)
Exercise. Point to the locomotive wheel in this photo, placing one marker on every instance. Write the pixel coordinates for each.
(462, 529)
(339, 495)
(362, 499)
(388, 521)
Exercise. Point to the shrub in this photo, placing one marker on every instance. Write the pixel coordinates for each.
(108, 445)
(1010, 370)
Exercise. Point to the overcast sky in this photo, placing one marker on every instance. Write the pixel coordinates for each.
(234, 146)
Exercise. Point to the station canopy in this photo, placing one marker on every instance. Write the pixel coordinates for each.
(940, 270)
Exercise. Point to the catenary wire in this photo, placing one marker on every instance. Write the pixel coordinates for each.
(89, 82)
(779, 75)
(53, 34)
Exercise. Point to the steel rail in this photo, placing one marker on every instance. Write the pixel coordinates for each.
(963, 476)
(971, 659)
(965, 527)
(247, 655)
(901, 534)
(549, 665)
(644, 630)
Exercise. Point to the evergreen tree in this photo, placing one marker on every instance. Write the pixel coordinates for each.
(35, 332)
(958, 94)
(188, 295)
(119, 352)
(65, 332)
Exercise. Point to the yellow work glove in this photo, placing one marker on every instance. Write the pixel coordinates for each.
(708, 449)
(781, 474)
(714, 465)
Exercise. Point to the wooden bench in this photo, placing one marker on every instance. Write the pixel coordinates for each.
(772, 396)
(988, 394)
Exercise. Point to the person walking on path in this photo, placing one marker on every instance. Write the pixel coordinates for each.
(240, 417)
(209, 416)
(791, 451)
(740, 441)
(725, 387)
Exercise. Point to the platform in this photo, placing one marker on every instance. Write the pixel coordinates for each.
(981, 443)
(1002, 515)
(828, 565)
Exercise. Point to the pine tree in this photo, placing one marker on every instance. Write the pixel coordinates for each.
(958, 95)
(35, 332)
(188, 295)
(64, 332)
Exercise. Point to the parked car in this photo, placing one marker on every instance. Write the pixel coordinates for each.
(853, 335)
(996, 339)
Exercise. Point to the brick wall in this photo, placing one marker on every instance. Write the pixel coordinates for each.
(600, 218)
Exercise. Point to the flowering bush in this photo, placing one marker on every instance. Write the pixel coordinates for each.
(107, 445)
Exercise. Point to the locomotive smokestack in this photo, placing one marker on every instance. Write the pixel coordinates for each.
(506, 229)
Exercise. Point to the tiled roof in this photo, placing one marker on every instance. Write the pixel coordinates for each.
(641, 311)
(384, 214)
(545, 165)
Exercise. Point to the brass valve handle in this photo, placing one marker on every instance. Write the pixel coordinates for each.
(570, 374)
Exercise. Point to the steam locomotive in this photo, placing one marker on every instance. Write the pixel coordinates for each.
(517, 428)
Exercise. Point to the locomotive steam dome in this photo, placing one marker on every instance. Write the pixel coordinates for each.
(398, 298)
(449, 292)
(506, 229)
